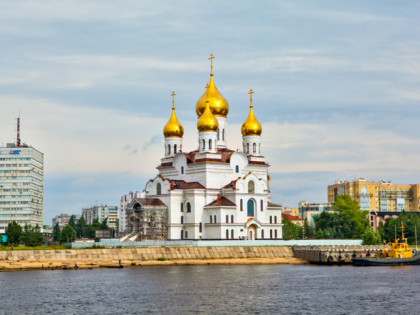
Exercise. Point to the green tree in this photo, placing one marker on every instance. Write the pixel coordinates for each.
(371, 237)
(72, 222)
(13, 232)
(104, 224)
(308, 230)
(32, 236)
(56, 235)
(392, 227)
(68, 234)
(81, 227)
(96, 225)
(290, 230)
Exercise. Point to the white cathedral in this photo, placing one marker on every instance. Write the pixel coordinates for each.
(212, 193)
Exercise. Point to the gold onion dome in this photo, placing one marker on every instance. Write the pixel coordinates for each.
(218, 104)
(173, 127)
(251, 126)
(207, 121)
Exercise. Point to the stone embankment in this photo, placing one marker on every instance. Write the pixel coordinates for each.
(126, 257)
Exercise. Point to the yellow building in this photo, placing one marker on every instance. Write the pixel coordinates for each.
(378, 196)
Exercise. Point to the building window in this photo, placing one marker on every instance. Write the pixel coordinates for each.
(182, 234)
(223, 134)
(262, 205)
(251, 187)
(188, 207)
(231, 218)
(158, 189)
(247, 148)
(271, 219)
(232, 234)
(275, 234)
(182, 207)
(275, 219)
(271, 234)
(262, 234)
(227, 218)
(175, 148)
(210, 144)
(215, 219)
(254, 147)
(250, 207)
(227, 234)
(204, 144)
(242, 205)
(169, 149)
(211, 219)
(182, 219)
(200, 227)
(218, 134)
(182, 170)
(237, 168)
(186, 234)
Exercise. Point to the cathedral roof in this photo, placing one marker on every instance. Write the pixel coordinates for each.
(221, 202)
(273, 205)
(182, 184)
(154, 202)
(231, 185)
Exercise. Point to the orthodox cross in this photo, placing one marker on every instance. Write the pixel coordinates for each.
(211, 63)
(173, 99)
(250, 97)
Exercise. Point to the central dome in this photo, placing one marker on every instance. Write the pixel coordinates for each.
(218, 104)
(207, 121)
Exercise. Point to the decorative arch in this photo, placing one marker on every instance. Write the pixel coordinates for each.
(251, 187)
(158, 189)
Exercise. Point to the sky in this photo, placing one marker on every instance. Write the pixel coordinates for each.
(336, 89)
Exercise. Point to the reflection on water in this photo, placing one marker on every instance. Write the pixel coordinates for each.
(263, 289)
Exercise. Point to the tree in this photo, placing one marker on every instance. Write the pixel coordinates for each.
(290, 230)
(13, 232)
(308, 230)
(68, 234)
(104, 224)
(371, 237)
(32, 236)
(81, 227)
(96, 225)
(392, 227)
(56, 235)
(72, 222)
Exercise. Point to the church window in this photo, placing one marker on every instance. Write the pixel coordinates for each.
(227, 234)
(223, 134)
(251, 187)
(231, 218)
(271, 234)
(262, 234)
(271, 219)
(251, 207)
(254, 147)
(204, 144)
(275, 234)
(215, 219)
(182, 219)
(169, 149)
(210, 144)
(247, 148)
(262, 205)
(232, 234)
(218, 134)
(158, 189)
(188, 207)
(186, 234)
(275, 219)
(242, 205)
(175, 148)
(182, 207)
(237, 168)
(182, 234)
(211, 219)
(200, 227)
(182, 170)
(227, 218)
(259, 148)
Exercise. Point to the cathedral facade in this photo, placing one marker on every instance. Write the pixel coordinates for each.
(213, 192)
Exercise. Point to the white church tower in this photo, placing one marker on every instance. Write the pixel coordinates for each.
(251, 132)
(173, 133)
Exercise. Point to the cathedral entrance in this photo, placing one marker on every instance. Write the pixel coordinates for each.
(252, 232)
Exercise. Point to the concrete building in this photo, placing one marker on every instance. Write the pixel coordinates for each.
(380, 196)
(63, 219)
(101, 212)
(21, 185)
(307, 210)
(122, 209)
(213, 192)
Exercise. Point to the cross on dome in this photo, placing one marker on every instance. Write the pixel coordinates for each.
(211, 63)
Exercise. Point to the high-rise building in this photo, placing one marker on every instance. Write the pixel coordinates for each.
(378, 196)
(101, 212)
(21, 185)
(64, 219)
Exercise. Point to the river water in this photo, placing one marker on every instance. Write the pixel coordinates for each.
(251, 289)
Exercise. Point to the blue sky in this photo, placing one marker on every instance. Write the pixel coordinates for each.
(336, 87)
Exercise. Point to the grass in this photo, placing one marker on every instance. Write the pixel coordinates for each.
(161, 259)
(53, 247)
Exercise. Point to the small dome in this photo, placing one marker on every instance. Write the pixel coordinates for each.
(173, 127)
(251, 126)
(207, 121)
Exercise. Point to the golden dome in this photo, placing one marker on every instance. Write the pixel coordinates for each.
(173, 127)
(251, 126)
(218, 104)
(207, 121)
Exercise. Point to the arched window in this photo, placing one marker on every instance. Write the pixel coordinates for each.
(182, 219)
(175, 148)
(237, 168)
(204, 144)
(211, 219)
(200, 227)
(223, 134)
(271, 219)
(275, 219)
(254, 147)
(262, 234)
(158, 189)
(218, 134)
(232, 234)
(227, 218)
(182, 234)
(262, 205)
(247, 148)
(227, 234)
(182, 170)
(182, 207)
(186, 234)
(271, 234)
(251, 207)
(275, 234)
(259, 148)
(251, 187)
(169, 149)
(242, 205)
(231, 218)
(188, 207)
(215, 219)
(210, 144)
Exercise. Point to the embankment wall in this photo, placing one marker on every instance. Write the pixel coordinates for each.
(150, 253)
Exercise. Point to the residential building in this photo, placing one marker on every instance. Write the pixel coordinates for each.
(292, 218)
(382, 196)
(21, 185)
(101, 212)
(377, 217)
(122, 210)
(290, 211)
(63, 219)
(307, 210)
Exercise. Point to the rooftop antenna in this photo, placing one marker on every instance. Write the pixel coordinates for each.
(18, 132)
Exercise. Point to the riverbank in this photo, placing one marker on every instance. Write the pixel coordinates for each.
(67, 265)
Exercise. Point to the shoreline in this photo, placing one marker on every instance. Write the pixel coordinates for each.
(132, 263)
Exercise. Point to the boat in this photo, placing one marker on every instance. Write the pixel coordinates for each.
(396, 253)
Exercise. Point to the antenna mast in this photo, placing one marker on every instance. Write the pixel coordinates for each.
(18, 132)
